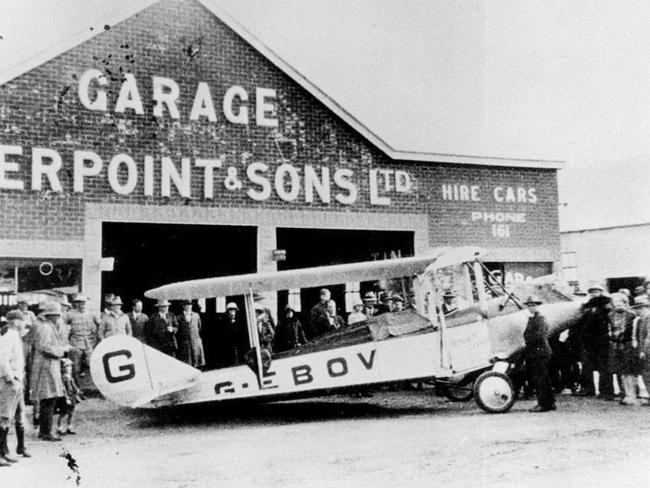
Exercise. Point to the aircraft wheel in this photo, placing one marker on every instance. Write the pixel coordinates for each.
(460, 391)
(494, 392)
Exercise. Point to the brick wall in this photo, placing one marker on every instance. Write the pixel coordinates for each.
(183, 41)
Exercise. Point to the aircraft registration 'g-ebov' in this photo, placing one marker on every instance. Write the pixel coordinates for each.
(453, 347)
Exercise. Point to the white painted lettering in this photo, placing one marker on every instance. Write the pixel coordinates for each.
(129, 96)
(402, 181)
(294, 182)
(203, 106)
(375, 199)
(170, 174)
(253, 173)
(165, 91)
(10, 167)
(81, 170)
(131, 174)
(83, 89)
(50, 169)
(321, 185)
(241, 117)
(343, 179)
(208, 174)
(148, 176)
(265, 114)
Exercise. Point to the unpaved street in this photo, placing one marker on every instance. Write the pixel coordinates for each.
(392, 439)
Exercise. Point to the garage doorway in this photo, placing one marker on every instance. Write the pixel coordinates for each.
(151, 255)
(322, 247)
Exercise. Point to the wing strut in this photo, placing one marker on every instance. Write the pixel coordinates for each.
(253, 333)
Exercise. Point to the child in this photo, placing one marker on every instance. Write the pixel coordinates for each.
(66, 405)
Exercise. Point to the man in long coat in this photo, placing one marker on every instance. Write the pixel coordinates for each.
(160, 331)
(190, 345)
(50, 348)
(537, 353)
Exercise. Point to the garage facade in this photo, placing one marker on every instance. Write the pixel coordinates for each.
(180, 122)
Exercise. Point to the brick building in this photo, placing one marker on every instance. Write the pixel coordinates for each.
(185, 148)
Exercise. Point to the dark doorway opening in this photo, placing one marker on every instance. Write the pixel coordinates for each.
(322, 247)
(150, 255)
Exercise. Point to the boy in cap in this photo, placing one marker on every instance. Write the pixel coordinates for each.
(66, 404)
(537, 353)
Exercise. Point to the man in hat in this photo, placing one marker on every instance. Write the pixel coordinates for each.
(449, 302)
(357, 314)
(138, 319)
(188, 336)
(537, 353)
(231, 341)
(160, 331)
(289, 333)
(593, 330)
(83, 326)
(51, 347)
(369, 304)
(28, 316)
(114, 321)
(319, 320)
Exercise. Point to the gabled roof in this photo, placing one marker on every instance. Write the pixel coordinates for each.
(214, 7)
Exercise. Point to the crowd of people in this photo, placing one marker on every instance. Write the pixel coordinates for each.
(45, 356)
(611, 338)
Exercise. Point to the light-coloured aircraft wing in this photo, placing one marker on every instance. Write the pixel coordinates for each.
(311, 277)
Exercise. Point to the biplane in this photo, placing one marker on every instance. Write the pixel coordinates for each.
(455, 351)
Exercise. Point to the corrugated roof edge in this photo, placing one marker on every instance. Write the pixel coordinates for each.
(396, 154)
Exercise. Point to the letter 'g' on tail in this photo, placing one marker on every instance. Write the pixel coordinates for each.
(132, 374)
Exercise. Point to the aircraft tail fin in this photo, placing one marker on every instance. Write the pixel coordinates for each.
(133, 374)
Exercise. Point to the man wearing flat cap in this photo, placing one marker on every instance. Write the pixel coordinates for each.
(537, 353)
(160, 331)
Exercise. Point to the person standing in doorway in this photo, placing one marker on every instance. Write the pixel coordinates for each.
(138, 319)
(160, 331)
(114, 321)
(537, 353)
(190, 345)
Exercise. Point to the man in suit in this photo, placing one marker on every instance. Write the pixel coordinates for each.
(190, 345)
(138, 319)
(160, 331)
(537, 353)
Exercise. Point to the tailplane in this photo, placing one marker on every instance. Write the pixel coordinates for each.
(133, 374)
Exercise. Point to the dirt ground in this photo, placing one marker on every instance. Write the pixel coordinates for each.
(393, 439)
